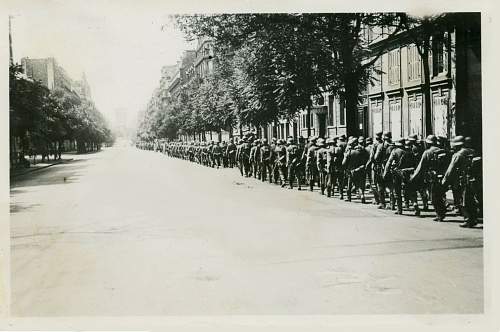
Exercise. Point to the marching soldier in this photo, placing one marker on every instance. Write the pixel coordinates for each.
(321, 160)
(400, 164)
(430, 170)
(281, 161)
(354, 164)
(311, 170)
(382, 153)
(266, 162)
(292, 160)
(231, 153)
(217, 154)
(458, 174)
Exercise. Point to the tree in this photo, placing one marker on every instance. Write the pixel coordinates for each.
(294, 57)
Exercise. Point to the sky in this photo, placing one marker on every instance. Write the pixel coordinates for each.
(121, 49)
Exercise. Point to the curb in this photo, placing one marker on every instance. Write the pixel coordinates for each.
(40, 168)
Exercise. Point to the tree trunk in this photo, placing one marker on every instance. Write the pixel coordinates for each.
(351, 95)
(308, 121)
(426, 89)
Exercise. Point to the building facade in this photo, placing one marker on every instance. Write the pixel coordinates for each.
(47, 72)
(394, 99)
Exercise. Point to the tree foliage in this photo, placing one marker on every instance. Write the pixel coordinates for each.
(40, 117)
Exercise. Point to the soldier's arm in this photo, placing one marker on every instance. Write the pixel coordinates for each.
(388, 164)
(421, 166)
(451, 170)
(346, 159)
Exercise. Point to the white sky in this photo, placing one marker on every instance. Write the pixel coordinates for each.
(121, 49)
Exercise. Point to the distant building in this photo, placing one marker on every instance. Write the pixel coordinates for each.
(82, 88)
(204, 63)
(181, 75)
(47, 72)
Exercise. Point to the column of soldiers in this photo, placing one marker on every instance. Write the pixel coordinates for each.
(402, 174)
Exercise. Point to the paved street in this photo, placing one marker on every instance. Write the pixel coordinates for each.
(131, 232)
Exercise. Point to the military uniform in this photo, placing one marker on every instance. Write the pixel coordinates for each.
(401, 165)
(430, 170)
(311, 168)
(321, 164)
(292, 161)
(382, 152)
(280, 161)
(354, 164)
(458, 175)
(266, 165)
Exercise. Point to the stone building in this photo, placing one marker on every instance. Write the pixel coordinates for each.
(47, 72)
(394, 100)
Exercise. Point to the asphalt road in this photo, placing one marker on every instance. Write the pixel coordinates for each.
(130, 232)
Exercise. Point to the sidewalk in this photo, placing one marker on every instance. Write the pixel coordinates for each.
(14, 173)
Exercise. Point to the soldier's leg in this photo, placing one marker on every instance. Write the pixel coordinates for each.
(328, 184)
(282, 171)
(381, 191)
(396, 185)
(438, 201)
(470, 207)
(291, 176)
(376, 199)
(362, 186)
(298, 175)
(349, 187)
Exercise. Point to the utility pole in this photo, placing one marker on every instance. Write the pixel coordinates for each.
(11, 55)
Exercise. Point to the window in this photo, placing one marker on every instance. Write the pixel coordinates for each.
(330, 110)
(341, 112)
(394, 67)
(414, 63)
(376, 75)
(438, 55)
(395, 121)
(376, 109)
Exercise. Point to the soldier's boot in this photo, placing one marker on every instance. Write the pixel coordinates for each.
(328, 192)
(417, 210)
(311, 185)
(469, 223)
(363, 200)
(393, 202)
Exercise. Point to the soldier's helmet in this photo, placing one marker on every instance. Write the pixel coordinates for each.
(274, 140)
(330, 141)
(431, 139)
(369, 140)
(342, 138)
(378, 134)
(321, 142)
(412, 138)
(353, 141)
(361, 139)
(458, 141)
(281, 141)
(387, 135)
(400, 142)
(468, 142)
(264, 141)
(289, 140)
(312, 139)
(443, 141)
